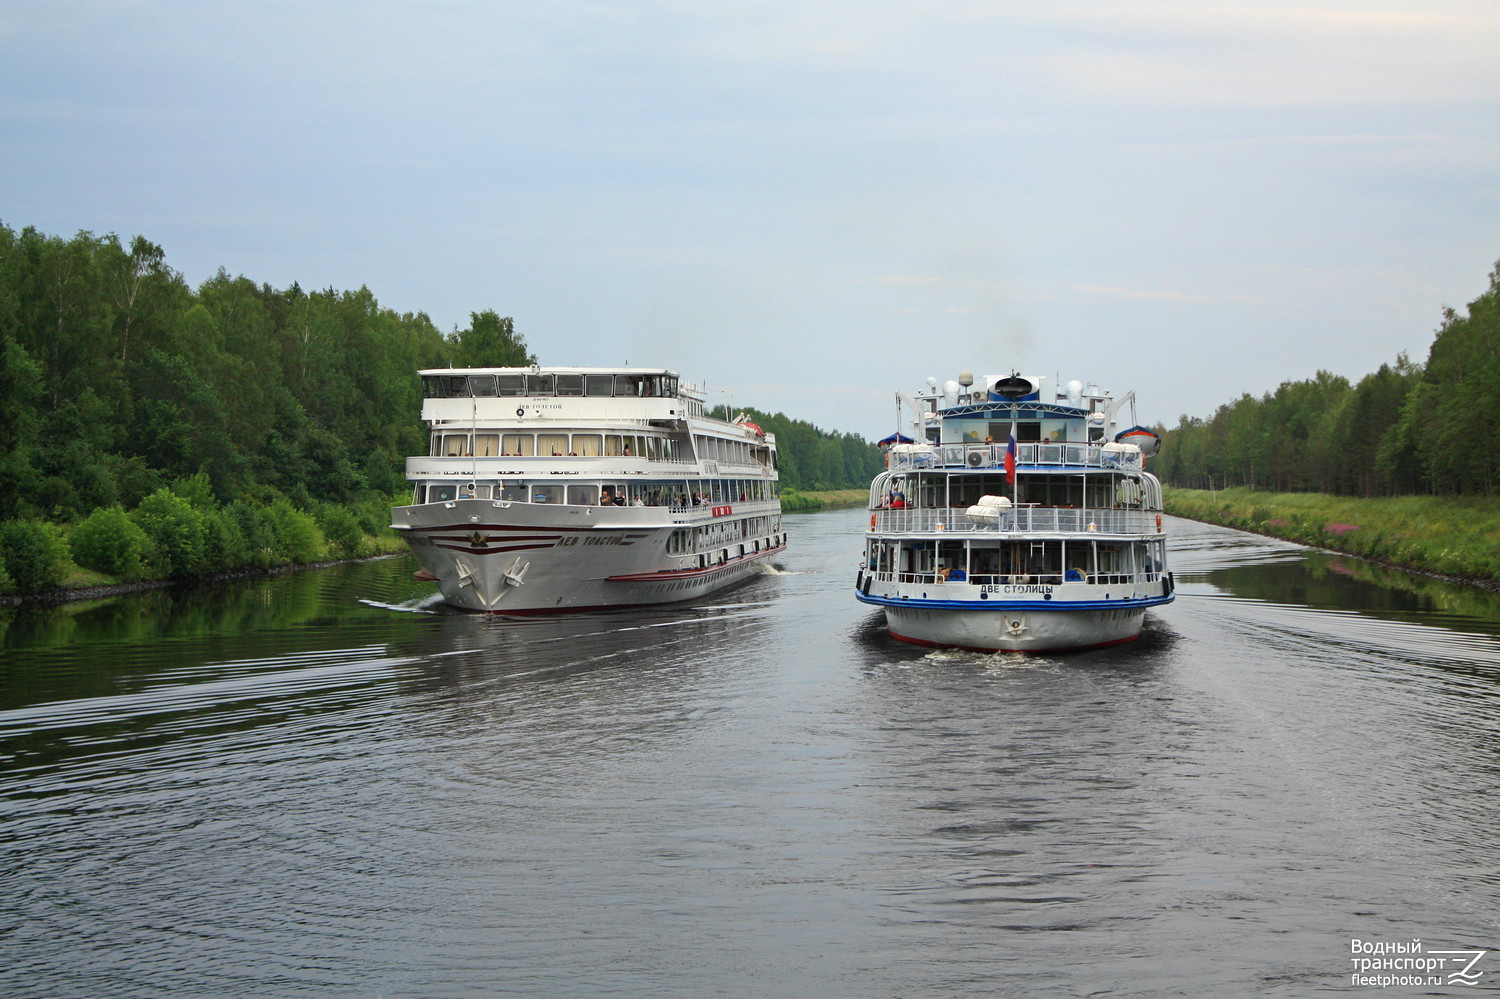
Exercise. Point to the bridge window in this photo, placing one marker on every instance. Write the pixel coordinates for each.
(444, 386)
(512, 384)
(570, 385)
(482, 385)
(599, 384)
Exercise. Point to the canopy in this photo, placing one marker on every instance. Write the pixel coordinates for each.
(894, 439)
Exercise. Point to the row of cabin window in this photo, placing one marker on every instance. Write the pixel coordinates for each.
(527, 445)
(686, 540)
(486, 386)
(1039, 558)
(719, 449)
(708, 492)
(1093, 492)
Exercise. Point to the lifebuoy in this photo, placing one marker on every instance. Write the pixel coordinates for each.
(1158, 522)
(872, 521)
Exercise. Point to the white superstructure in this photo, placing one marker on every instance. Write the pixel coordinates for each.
(1016, 516)
(560, 489)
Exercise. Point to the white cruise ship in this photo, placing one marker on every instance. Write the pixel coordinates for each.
(1016, 516)
(567, 489)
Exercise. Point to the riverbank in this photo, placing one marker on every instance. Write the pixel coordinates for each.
(793, 501)
(87, 584)
(183, 533)
(1454, 537)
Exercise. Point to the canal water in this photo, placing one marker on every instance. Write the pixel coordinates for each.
(322, 784)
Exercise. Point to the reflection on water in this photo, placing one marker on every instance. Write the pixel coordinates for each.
(326, 784)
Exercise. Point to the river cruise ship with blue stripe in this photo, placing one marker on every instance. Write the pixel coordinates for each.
(568, 489)
(1016, 516)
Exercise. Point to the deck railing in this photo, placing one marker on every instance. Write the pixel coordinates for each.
(993, 456)
(1022, 519)
(1019, 579)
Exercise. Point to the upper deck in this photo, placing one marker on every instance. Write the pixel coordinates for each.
(968, 423)
(452, 395)
(489, 423)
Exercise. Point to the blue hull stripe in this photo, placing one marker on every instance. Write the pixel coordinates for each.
(1001, 605)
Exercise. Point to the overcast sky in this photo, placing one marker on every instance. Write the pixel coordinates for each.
(805, 205)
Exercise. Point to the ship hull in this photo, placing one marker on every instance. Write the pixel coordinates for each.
(532, 559)
(1021, 630)
(1056, 620)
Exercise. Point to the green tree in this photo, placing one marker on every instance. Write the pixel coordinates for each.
(489, 342)
(177, 532)
(34, 553)
(109, 541)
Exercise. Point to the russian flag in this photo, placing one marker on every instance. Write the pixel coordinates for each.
(1010, 460)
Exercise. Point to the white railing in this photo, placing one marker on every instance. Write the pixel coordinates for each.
(1020, 520)
(993, 456)
(490, 466)
(1050, 578)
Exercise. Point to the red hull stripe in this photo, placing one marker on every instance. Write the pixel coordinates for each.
(496, 550)
(469, 537)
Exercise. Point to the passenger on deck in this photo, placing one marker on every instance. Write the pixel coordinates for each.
(606, 498)
(897, 499)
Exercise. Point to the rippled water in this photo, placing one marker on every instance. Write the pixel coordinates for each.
(321, 784)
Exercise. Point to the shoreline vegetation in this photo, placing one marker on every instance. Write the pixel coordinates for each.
(1453, 537)
(181, 535)
(1399, 468)
(797, 501)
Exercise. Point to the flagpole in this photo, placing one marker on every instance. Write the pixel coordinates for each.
(1011, 456)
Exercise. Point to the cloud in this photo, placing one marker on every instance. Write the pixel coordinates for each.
(1163, 296)
(899, 280)
(1271, 55)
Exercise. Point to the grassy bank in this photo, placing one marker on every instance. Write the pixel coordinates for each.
(183, 533)
(1452, 536)
(793, 501)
